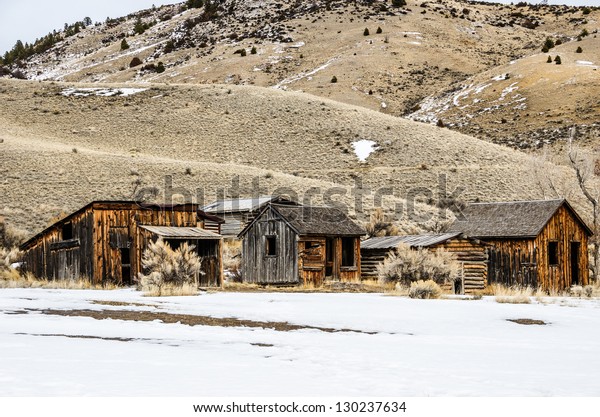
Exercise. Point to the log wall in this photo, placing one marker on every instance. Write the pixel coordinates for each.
(471, 256)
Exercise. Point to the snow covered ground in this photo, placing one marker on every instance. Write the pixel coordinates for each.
(419, 347)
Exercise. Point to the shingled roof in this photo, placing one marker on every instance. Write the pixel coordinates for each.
(518, 219)
(315, 221)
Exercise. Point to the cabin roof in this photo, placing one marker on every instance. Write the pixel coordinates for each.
(236, 205)
(192, 233)
(414, 241)
(108, 204)
(516, 219)
(313, 221)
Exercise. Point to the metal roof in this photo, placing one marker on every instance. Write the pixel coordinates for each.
(242, 204)
(524, 219)
(414, 241)
(192, 233)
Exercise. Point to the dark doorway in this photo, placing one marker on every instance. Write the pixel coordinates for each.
(575, 253)
(329, 257)
(125, 266)
(348, 258)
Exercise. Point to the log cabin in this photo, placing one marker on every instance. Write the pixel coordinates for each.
(471, 254)
(300, 245)
(238, 212)
(532, 243)
(104, 242)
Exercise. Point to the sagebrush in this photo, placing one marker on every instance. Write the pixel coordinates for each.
(424, 290)
(405, 266)
(164, 267)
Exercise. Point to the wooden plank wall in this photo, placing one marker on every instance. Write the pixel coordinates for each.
(100, 231)
(46, 259)
(259, 268)
(524, 262)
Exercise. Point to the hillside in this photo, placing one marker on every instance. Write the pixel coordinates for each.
(528, 103)
(423, 49)
(64, 145)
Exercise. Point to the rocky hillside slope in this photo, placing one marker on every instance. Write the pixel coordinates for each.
(396, 60)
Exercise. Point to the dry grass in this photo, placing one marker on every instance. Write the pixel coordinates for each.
(170, 290)
(12, 279)
(305, 141)
(367, 286)
(513, 299)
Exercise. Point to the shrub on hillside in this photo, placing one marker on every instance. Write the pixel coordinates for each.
(579, 50)
(398, 3)
(406, 265)
(124, 45)
(380, 225)
(557, 60)
(135, 62)
(366, 32)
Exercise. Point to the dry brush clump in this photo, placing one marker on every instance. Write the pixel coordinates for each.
(168, 271)
(406, 266)
(232, 258)
(424, 290)
(380, 225)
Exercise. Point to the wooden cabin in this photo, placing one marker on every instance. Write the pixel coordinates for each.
(533, 243)
(104, 242)
(300, 245)
(238, 212)
(470, 253)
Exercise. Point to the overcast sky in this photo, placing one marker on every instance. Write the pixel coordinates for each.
(30, 19)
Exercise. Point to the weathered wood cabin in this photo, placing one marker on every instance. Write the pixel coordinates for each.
(238, 212)
(104, 241)
(300, 245)
(470, 253)
(533, 243)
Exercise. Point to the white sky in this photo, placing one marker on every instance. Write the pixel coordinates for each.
(30, 19)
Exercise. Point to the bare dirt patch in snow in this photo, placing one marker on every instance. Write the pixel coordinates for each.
(528, 322)
(191, 320)
(121, 304)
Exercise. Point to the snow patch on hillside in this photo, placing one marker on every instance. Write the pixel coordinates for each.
(364, 148)
(101, 92)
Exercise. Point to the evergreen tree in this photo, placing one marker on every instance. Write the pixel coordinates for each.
(549, 60)
(366, 32)
(124, 45)
(557, 60)
(579, 50)
(398, 3)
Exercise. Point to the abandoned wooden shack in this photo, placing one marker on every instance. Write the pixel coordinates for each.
(533, 243)
(471, 254)
(238, 212)
(300, 245)
(104, 242)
